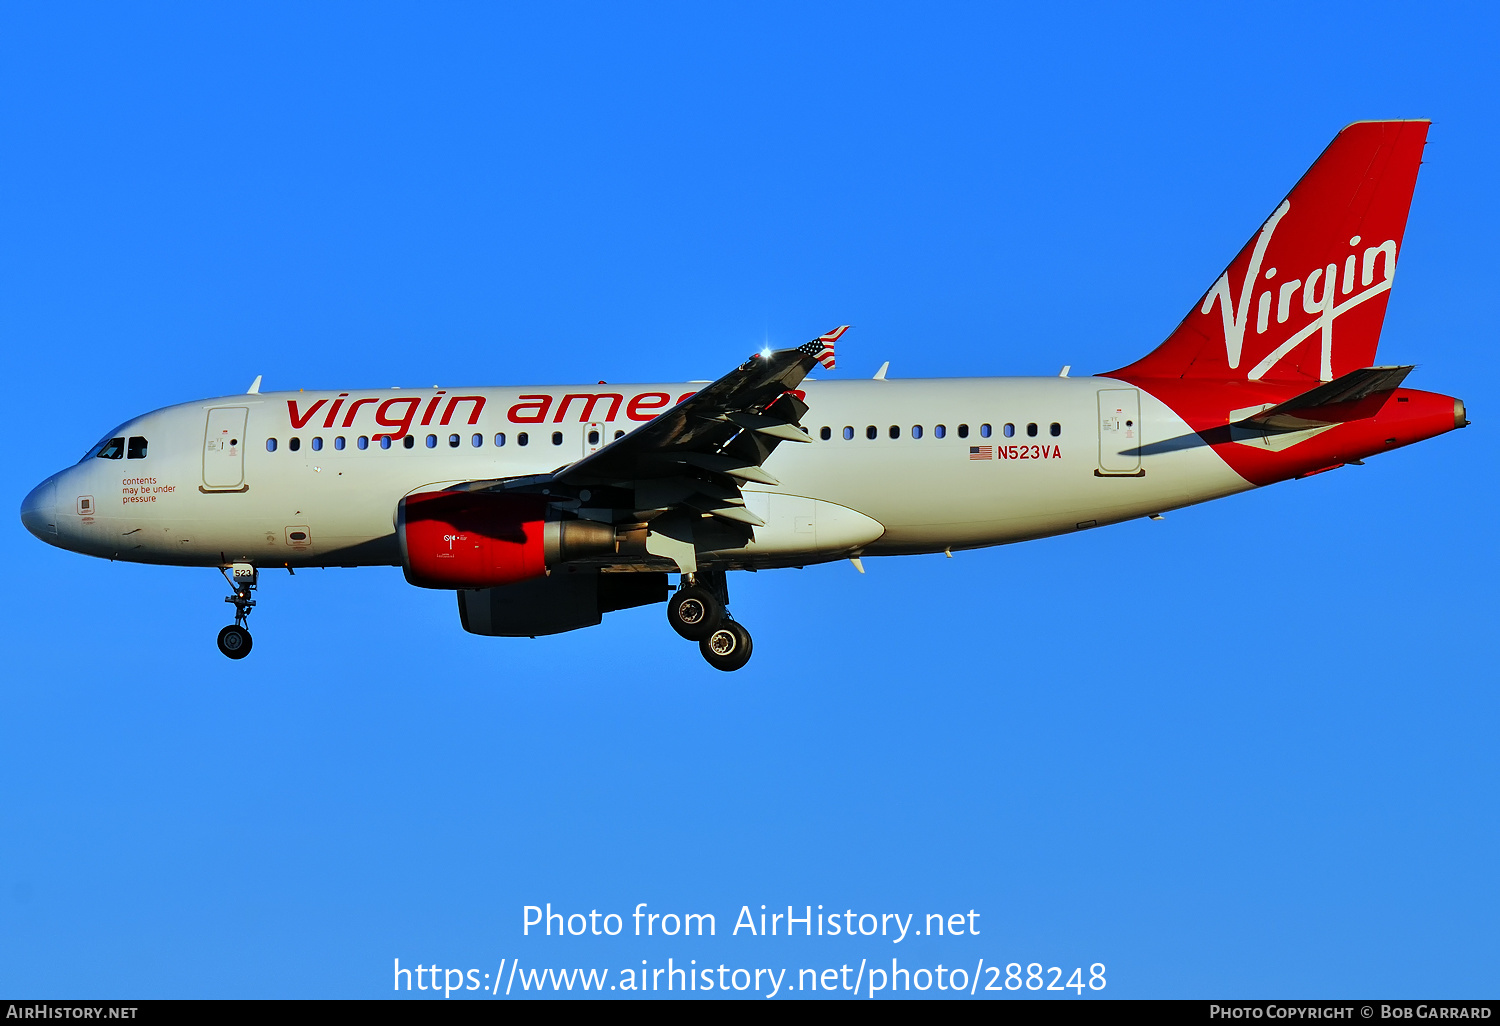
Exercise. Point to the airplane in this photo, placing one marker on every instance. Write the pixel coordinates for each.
(545, 507)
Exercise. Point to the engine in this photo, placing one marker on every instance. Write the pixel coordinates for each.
(458, 540)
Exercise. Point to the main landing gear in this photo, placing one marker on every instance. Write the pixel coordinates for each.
(697, 611)
(234, 640)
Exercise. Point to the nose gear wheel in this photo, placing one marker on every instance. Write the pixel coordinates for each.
(234, 642)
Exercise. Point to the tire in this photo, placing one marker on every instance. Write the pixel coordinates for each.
(728, 647)
(234, 642)
(694, 612)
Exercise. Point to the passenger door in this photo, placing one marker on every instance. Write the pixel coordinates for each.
(224, 450)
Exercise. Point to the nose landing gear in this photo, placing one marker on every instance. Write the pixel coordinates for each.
(698, 611)
(234, 640)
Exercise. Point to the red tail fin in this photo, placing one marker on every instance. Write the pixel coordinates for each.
(1305, 299)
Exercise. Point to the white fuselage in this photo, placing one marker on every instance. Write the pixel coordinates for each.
(952, 478)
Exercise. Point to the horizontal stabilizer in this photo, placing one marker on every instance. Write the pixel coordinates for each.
(1355, 396)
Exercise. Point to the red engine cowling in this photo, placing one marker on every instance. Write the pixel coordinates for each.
(459, 540)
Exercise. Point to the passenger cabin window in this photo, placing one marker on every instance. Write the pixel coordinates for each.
(1010, 430)
(522, 438)
(432, 441)
(593, 437)
(916, 430)
(848, 433)
(453, 441)
(137, 448)
(872, 431)
(984, 431)
(270, 445)
(825, 434)
(940, 431)
(317, 444)
(338, 443)
(619, 434)
(294, 443)
(557, 438)
(1056, 429)
(499, 438)
(477, 441)
(364, 442)
(410, 441)
(963, 431)
(385, 441)
(1031, 430)
(114, 449)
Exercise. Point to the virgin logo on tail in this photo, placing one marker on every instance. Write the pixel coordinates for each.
(1326, 254)
(1318, 298)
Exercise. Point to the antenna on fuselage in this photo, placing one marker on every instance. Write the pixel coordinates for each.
(254, 388)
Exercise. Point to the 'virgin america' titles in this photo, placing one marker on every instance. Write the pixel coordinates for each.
(409, 403)
(399, 412)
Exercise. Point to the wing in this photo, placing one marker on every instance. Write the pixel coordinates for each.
(736, 423)
(690, 461)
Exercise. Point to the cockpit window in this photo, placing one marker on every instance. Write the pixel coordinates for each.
(113, 449)
(137, 449)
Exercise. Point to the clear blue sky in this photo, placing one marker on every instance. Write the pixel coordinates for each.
(1246, 751)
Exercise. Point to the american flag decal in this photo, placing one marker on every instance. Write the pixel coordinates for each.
(981, 452)
(821, 348)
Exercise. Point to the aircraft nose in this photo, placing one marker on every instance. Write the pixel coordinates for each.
(39, 511)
